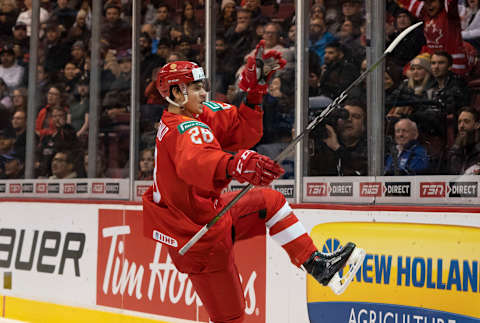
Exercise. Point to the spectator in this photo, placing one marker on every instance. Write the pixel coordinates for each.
(415, 87)
(8, 17)
(101, 167)
(63, 165)
(224, 74)
(163, 48)
(63, 15)
(255, 8)
(319, 37)
(19, 124)
(5, 98)
(352, 10)
(464, 155)
(14, 166)
(407, 156)
(7, 142)
(227, 16)
(71, 74)
(449, 91)
(78, 54)
(271, 35)
(44, 125)
(188, 24)
(146, 164)
(442, 28)
(149, 61)
(124, 77)
(19, 99)
(63, 137)
(26, 16)
(343, 150)
(185, 47)
(470, 20)
(412, 44)
(240, 37)
(79, 108)
(20, 36)
(10, 71)
(163, 23)
(57, 51)
(348, 36)
(80, 30)
(43, 82)
(337, 73)
(115, 30)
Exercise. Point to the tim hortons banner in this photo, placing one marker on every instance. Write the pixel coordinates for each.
(135, 273)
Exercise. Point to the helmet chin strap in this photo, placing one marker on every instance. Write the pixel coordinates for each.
(183, 88)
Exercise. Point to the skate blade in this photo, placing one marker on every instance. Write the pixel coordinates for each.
(339, 284)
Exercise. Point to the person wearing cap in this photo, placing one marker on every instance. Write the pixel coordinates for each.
(226, 17)
(57, 52)
(10, 71)
(352, 10)
(78, 54)
(20, 37)
(13, 166)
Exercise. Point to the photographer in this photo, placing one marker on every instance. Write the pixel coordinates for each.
(339, 143)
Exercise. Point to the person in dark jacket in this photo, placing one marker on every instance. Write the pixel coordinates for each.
(343, 150)
(407, 156)
(464, 156)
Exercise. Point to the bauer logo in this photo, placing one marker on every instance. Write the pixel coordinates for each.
(27, 187)
(370, 189)
(41, 188)
(463, 189)
(286, 190)
(98, 188)
(53, 188)
(113, 188)
(317, 189)
(15, 188)
(434, 277)
(2, 188)
(82, 188)
(432, 189)
(341, 189)
(397, 189)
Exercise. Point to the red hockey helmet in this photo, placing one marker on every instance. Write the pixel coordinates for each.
(176, 73)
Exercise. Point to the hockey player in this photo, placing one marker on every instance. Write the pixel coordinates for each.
(192, 168)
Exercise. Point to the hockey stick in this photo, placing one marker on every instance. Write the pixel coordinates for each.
(318, 119)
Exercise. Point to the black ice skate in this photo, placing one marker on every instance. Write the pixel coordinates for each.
(325, 267)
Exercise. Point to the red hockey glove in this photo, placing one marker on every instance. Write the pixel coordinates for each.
(258, 70)
(249, 166)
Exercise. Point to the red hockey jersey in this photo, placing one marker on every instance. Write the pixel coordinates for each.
(185, 194)
(442, 32)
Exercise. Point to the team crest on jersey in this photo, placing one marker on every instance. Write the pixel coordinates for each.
(184, 126)
(216, 106)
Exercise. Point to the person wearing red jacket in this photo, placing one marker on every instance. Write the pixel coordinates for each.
(442, 29)
(192, 167)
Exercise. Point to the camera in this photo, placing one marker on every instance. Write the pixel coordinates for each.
(331, 119)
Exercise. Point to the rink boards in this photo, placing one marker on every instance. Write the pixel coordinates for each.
(76, 262)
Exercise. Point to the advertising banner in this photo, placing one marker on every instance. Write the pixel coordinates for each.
(47, 252)
(135, 273)
(415, 273)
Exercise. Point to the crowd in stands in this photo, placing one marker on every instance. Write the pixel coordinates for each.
(431, 81)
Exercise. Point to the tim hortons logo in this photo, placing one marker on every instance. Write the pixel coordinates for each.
(370, 189)
(317, 189)
(153, 283)
(432, 189)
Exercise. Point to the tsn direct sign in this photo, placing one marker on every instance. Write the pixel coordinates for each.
(136, 273)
